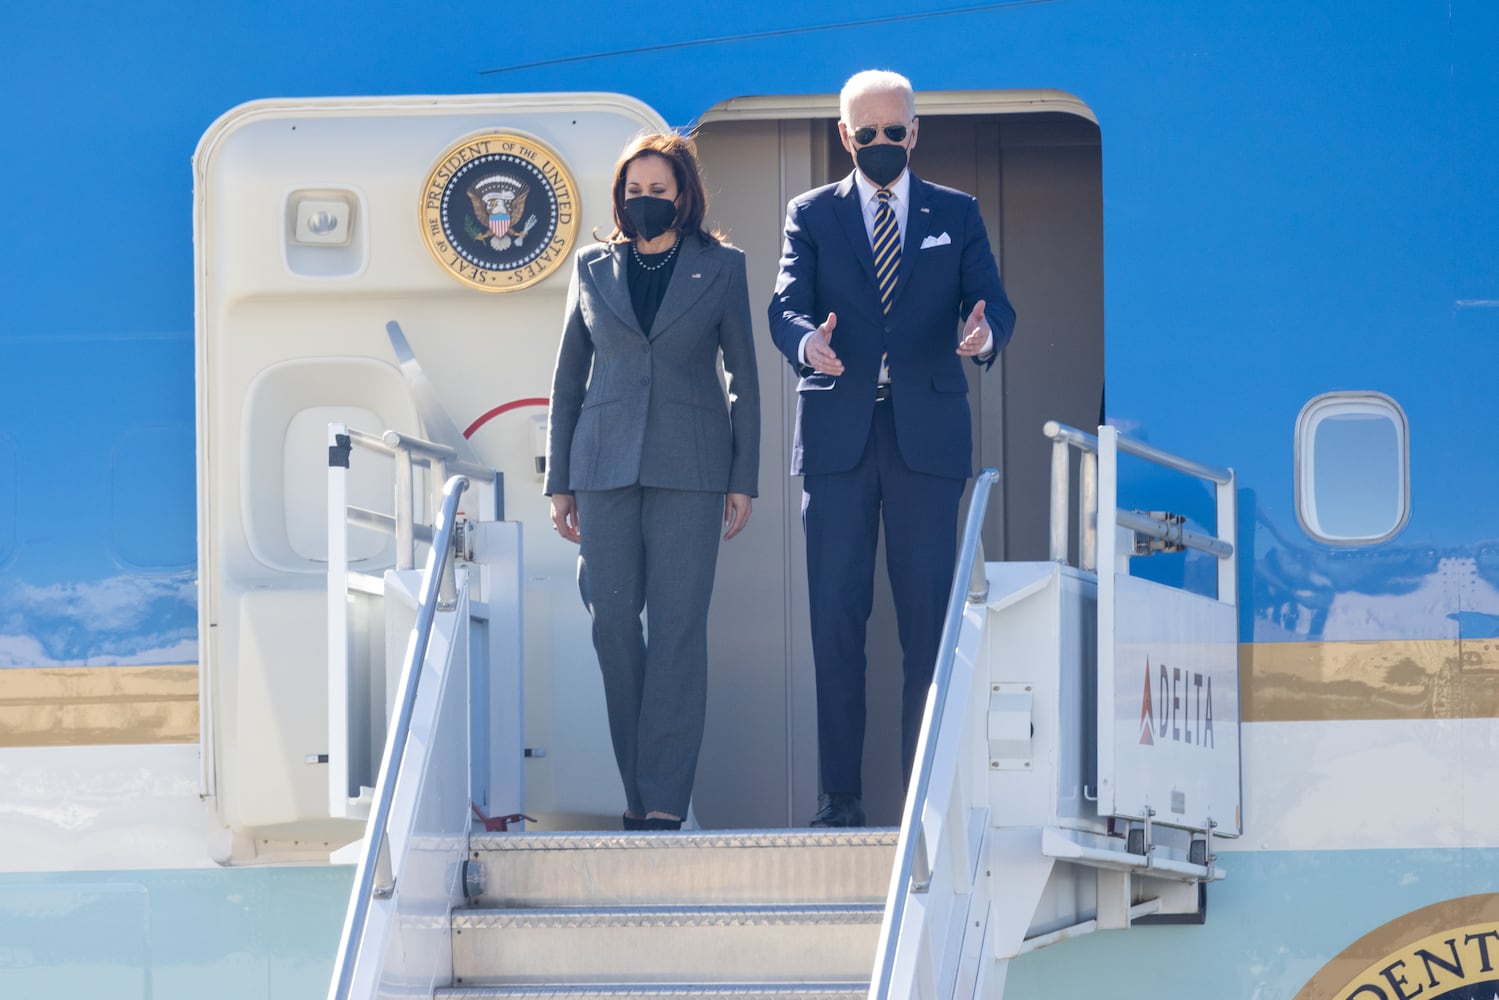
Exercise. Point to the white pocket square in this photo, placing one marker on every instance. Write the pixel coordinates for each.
(936, 241)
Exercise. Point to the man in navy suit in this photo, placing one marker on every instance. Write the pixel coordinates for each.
(887, 282)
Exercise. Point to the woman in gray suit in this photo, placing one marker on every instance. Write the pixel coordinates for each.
(650, 456)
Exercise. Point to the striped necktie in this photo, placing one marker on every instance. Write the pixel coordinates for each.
(886, 248)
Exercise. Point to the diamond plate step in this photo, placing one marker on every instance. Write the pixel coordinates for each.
(666, 944)
(720, 867)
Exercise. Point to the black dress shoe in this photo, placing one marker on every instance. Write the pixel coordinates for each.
(840, 810)
(660, 823)
(631, 823)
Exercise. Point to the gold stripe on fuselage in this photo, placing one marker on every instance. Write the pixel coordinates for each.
(1387, 679)
(93, 706)
(1278, 682)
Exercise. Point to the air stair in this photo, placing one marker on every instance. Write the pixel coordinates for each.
(752, 914)
(1079, 757)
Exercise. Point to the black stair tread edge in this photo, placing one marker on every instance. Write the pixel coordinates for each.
(867, 836)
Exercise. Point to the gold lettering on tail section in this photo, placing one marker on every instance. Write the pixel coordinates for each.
(499, 211)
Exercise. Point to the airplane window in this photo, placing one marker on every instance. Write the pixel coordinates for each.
(1352, 468)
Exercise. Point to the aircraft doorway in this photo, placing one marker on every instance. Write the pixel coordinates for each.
(1033, 161)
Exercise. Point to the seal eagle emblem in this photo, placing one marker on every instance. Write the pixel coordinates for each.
(499, 211)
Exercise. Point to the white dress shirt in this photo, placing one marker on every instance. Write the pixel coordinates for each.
(900, 202)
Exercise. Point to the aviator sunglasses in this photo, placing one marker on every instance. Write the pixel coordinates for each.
(864, 135)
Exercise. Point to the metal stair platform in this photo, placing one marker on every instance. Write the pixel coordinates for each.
(749, 914)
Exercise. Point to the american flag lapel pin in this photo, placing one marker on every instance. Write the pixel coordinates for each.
(698, 275)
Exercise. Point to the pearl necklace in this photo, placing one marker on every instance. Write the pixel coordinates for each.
(635, 249)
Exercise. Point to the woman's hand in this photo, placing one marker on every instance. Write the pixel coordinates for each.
(565, 516)
(736, 512)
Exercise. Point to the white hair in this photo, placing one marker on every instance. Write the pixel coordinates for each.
(872, 81)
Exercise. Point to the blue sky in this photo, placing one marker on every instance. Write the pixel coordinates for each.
(1298, 194)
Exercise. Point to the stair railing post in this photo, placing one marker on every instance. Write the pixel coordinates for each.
(1061, 489)
(913, 872)
(1087, 512)
(374, 878)
(405, 512)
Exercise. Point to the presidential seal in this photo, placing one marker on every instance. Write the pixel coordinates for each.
(1445, 951)
(499, 211)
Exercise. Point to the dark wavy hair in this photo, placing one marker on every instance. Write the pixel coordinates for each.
(692, 201)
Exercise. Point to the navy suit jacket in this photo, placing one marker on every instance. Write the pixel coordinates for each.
(827, 266)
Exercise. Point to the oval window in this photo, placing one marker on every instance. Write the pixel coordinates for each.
(1352, 468)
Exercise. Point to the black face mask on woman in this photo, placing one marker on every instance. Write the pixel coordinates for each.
(652, 216)
(881, 164)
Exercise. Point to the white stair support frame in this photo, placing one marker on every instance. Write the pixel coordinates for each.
(421, 800)
(364, 663)
(1037, 643)
(937, 859)
(339, 660)
(1026, 874)
(357, 682)
(427, 835)
(1179, 786)
(456, 632)
(1026, 855)
(499, 665)
(1004, 848)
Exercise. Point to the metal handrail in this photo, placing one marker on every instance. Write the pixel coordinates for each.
(374, 859)
(1063, 438)
(912, 838)
(1087, 442)
(410, 451)
(426, 451)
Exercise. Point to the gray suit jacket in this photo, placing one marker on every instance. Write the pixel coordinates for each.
(628, 409)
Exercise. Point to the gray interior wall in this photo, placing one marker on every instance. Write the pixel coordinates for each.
(1037, 181)
(1051, 256)
(759, 760)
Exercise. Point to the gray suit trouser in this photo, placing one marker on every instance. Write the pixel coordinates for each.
(651, 549)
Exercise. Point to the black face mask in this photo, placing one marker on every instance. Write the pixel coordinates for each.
(652, 216)
(881, 164)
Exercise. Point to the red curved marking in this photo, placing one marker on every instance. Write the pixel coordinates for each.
(514, 404)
